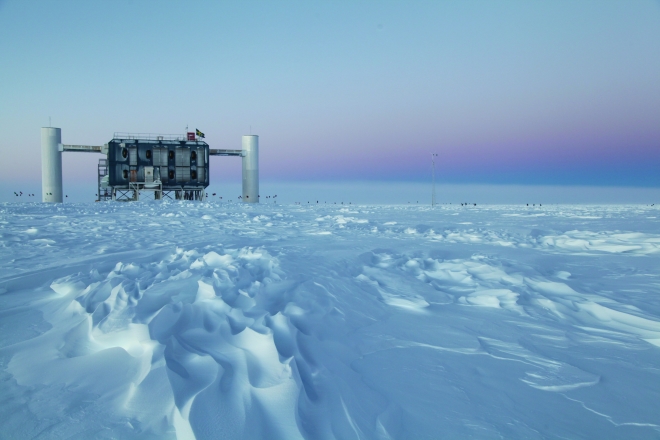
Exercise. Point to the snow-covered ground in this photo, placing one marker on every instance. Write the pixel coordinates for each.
(208, 321)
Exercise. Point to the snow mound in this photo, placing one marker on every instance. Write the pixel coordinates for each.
(160, 339)
(611, 242)
(328, 322)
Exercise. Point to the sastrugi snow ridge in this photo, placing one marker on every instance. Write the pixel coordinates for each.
(198, 320)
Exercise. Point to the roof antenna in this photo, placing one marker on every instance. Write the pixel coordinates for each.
(49, 124)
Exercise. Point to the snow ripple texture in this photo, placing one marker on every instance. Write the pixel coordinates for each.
(200, 320)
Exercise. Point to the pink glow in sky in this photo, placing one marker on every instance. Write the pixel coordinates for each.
(558, 92)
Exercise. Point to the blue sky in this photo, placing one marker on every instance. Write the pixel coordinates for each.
(508, 92)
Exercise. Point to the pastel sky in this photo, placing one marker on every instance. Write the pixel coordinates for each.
(506, 92)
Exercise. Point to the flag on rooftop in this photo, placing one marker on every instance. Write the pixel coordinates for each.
(199, 133)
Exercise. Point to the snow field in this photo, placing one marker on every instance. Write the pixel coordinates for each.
(197, 320)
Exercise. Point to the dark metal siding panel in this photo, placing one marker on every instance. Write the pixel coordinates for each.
(116, 175)
(143, 151)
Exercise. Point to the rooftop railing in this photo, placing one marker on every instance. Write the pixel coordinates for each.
(151, 136)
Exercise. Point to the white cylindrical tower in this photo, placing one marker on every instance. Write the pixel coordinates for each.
(251, 169)
(51, 165)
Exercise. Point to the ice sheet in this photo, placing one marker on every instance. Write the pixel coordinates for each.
(203, 320)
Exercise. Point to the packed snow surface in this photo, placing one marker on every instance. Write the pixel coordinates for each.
(211, 321)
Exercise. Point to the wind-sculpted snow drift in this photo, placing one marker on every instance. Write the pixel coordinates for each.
(220, 321)
(218, 341)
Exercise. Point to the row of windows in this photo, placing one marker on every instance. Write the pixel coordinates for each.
(182, 174)
(181, 153)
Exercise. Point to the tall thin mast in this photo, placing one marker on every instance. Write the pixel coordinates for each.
(433, 155)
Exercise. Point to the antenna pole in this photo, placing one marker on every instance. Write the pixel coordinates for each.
(433, 155)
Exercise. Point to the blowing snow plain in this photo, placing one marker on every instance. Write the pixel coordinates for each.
(205, 320)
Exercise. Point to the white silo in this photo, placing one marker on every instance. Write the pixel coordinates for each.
(51, 165)
(251, 169)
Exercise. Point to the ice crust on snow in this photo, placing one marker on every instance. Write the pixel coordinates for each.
(324, 322)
